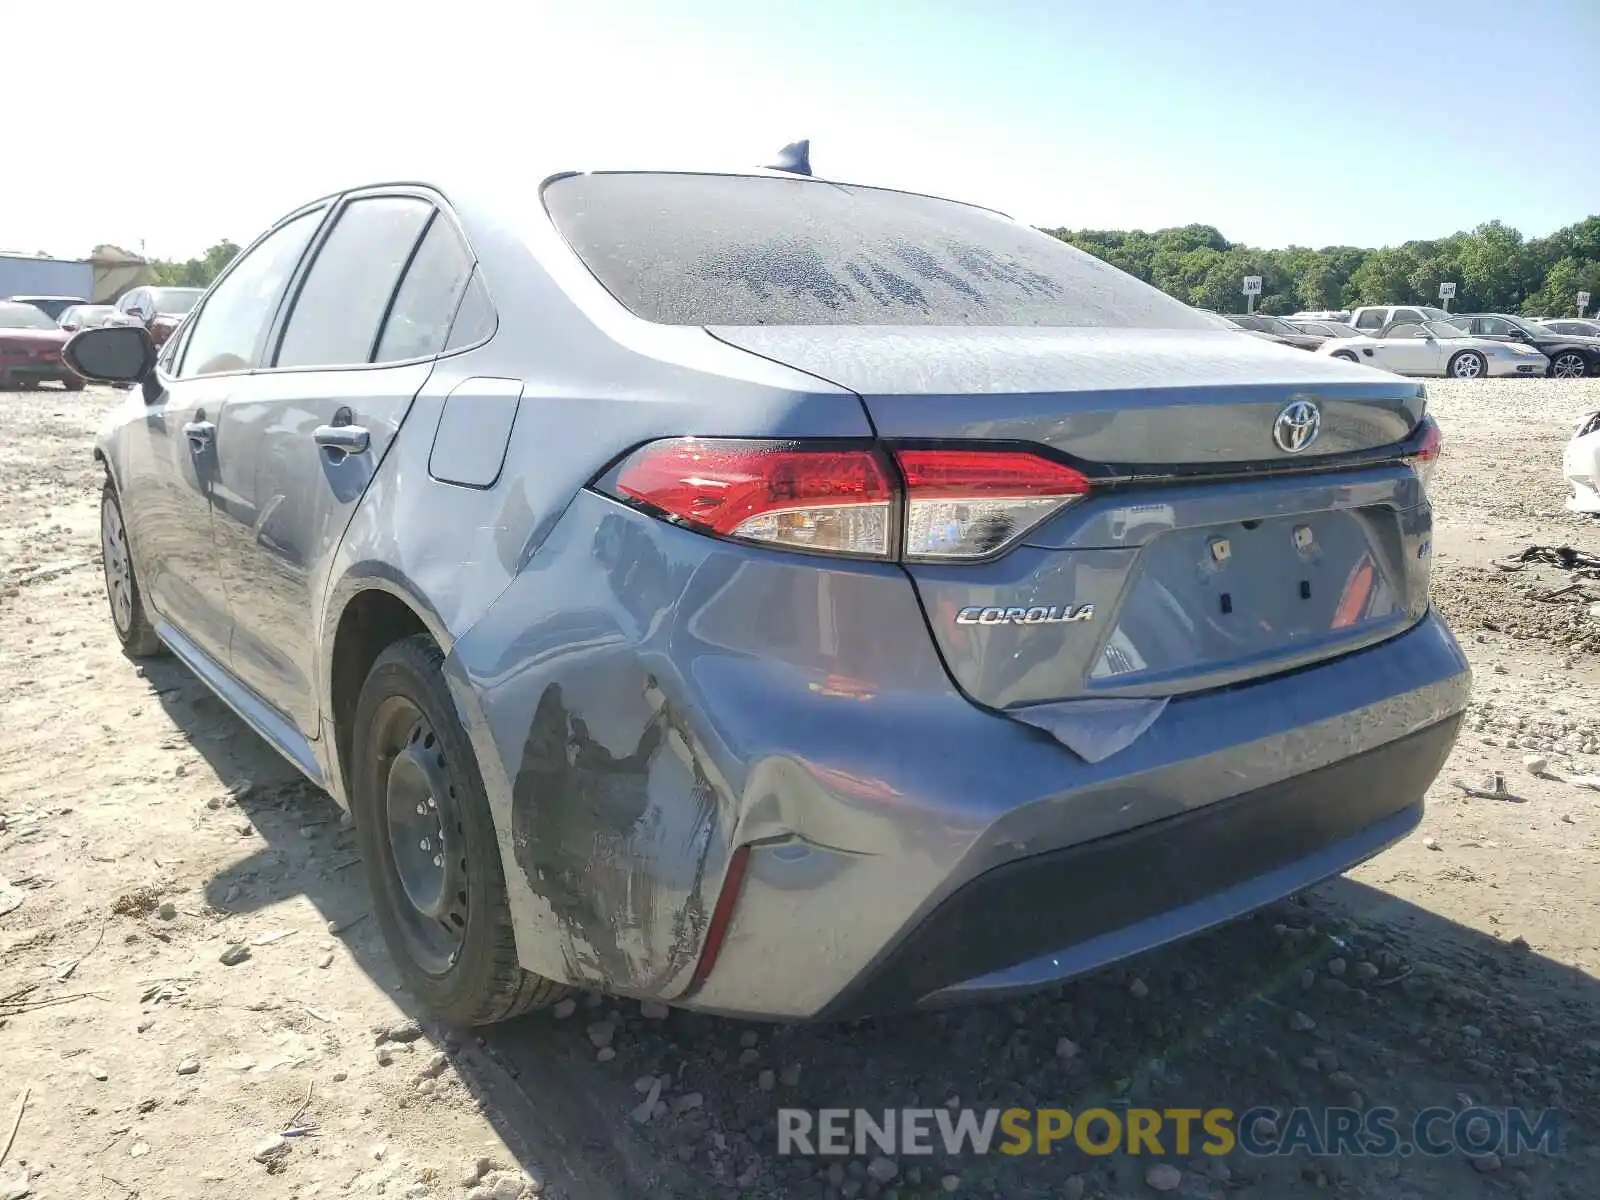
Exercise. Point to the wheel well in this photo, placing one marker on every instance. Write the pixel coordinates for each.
(372, 622)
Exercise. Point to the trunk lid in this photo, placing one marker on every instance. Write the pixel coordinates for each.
(1206, 554)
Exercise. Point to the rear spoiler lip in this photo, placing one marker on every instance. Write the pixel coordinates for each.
(1394, 452)
(1107, 476)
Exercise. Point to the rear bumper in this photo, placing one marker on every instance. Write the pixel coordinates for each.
(36, 372)
(649, 706)
(1048, 917)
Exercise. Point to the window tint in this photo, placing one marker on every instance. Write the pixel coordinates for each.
(419, 321)
(751, 250)
(475, 318)
(342, 301)
(1371, 319)
(226, 334)
(1408, 314)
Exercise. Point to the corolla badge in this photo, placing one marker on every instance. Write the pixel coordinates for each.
(1297, 426)
(1054, 614)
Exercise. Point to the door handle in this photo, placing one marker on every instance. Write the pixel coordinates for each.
(199, 434)
(344, 440)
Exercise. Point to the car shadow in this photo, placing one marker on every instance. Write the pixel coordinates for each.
(1443, 1015)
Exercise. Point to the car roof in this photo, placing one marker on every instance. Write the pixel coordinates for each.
(25, 299)
(487, 183)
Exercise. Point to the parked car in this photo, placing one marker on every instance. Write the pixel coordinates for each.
(85, 316)
(1572, 326)
(1372, 318)
(30, 349)
(1278, 330)
(1580, 464)
(1571, 357)
(1438, 348)
(158, 309)
(1324, 329)
(50, 306)
(606, 564)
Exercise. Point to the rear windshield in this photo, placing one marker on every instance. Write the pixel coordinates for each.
(23, 316)
(751, 250)
(174, 302)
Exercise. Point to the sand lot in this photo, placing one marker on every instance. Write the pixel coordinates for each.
(144, 831)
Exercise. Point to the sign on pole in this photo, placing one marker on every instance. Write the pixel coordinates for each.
(1583, 302)
(1252, 289)
(1447, 293)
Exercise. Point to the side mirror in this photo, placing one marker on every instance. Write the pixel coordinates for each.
(111, 354)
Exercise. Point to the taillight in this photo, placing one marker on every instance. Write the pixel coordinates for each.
(972, 503)
(838, 501)
(955, 503)
(1422, 459)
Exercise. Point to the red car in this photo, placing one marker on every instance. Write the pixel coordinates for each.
(159, 309)
(30, 349)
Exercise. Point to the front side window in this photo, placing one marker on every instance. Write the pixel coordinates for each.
(228, 331)
(419, 320)
(351, 281)
(680, 249)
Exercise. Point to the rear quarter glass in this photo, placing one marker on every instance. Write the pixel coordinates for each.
(682, 249)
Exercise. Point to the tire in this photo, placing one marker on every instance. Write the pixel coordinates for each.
(123, 597)
(1568, 364)
(73, 385)
(1468, 364)
(1344, 354)
(415, 783)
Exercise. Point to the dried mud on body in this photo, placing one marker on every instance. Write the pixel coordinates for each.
(195, 1005)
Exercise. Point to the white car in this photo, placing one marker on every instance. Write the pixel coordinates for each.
(1437, 348)
(1581, 465)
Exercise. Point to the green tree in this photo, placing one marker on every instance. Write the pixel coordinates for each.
(195, 272)
(1493, 267)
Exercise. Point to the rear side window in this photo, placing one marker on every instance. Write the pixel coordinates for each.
(228, 331)
(352, 279)
(419, 321)
(475, 318)
(752, 250)
(1371, 319)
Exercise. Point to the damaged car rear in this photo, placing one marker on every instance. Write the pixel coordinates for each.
(797, 599)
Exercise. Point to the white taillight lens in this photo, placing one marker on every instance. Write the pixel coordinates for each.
(1426, 456)
(966, 504)
(834, 501)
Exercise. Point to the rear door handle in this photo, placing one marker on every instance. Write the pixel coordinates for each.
(344, 440)
(199, 434)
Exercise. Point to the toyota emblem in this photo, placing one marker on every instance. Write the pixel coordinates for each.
(1297, 426)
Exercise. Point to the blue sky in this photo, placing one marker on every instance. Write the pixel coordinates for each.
(1353, 122)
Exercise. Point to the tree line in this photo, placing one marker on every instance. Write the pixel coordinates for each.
(1494, 268)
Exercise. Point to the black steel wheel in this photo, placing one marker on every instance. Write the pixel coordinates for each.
(429, 841)
(128, 617)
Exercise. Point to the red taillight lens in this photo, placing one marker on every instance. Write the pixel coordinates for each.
(830, 500)
(1423, 459)
(971, 503)
(958, 503)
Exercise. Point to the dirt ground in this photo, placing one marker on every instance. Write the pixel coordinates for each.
(148, 840)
